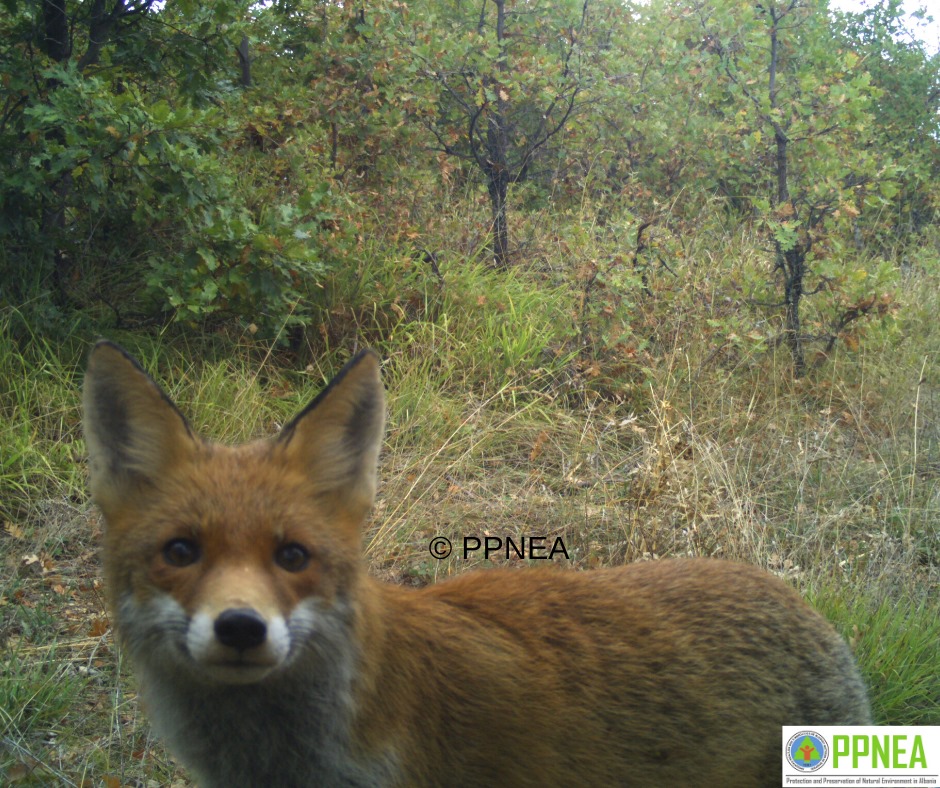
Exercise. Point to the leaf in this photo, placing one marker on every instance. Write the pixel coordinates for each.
(14, 530)
(209, 291)
(785, 235)
(208, 258)
(888, 189)
(538, 446)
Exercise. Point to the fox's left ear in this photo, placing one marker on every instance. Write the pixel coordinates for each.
(133, 432)
(336, 439)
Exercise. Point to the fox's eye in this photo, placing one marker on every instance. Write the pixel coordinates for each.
(293, 557)
(180, 552)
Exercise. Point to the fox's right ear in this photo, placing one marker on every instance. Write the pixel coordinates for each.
(132, 429)
(336, 439)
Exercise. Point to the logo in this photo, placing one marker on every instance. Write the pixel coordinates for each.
(807, 751)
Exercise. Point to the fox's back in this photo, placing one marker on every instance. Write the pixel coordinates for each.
(670, 668)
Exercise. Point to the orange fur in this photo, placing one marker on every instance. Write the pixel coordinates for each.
(268, 656)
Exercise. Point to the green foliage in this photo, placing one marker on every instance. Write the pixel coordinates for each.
(794, 106)
(335, 79)
(505, 80)
(906, 123)
(224, 254)
(150, 186)
(134, 193)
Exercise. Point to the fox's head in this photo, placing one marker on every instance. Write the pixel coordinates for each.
(228, 561)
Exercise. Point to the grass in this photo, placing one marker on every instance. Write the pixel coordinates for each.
(520, 404)
(896, 634)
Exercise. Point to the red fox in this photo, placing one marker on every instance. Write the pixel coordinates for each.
(268, 656)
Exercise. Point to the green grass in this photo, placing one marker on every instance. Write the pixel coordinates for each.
(39, 689)
(632, 427)
(895, 631)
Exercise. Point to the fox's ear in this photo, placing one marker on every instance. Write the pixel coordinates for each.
(337, 437)
(132, 430)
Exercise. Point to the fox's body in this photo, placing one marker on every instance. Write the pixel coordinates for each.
(268, 656)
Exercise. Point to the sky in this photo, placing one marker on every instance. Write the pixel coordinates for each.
(929, 33)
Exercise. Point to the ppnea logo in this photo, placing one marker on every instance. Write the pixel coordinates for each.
(807, 751)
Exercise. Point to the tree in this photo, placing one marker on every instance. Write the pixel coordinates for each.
(65, 63)
(800, 107)
(131, 180)
(509, 75)
(906, 117)
(95, 23)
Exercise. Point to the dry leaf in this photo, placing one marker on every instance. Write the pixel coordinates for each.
(539, 446)
(14, 530)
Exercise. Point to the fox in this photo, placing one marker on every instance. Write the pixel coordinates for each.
(266, 654)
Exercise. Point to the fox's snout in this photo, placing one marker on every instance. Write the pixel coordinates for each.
(240, 628)
(238, 644)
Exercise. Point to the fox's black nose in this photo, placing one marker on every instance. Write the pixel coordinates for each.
(241, 628)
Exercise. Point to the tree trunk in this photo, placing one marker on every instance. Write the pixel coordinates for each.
(244, 60)
(793, 267)
(56, 41)
(497, 152)
(57, 45)
(497, 184)
(791, 262)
